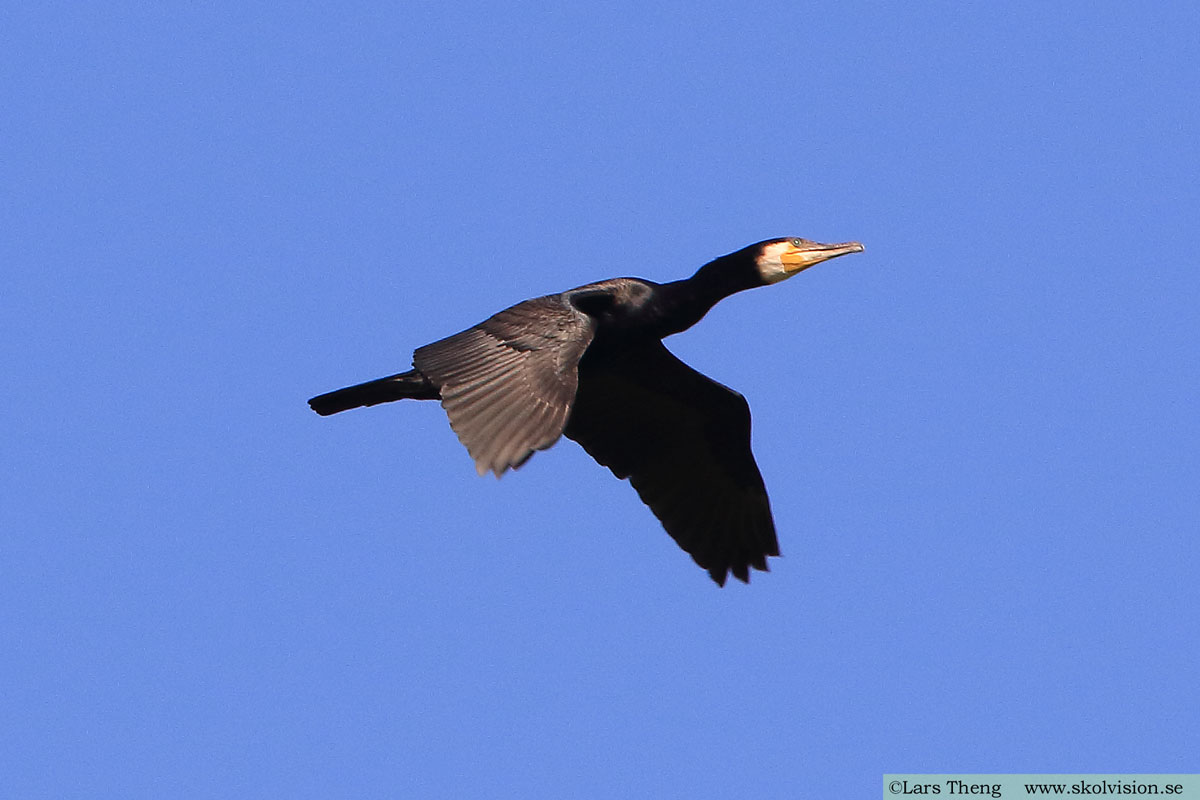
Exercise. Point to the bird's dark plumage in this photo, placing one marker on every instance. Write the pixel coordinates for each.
(590, 363)
(683, 441)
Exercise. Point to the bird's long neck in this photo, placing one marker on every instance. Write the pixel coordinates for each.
(685, 302)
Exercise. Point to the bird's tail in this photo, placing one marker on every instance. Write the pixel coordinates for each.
(411, 384)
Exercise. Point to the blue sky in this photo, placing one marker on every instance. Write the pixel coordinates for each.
(980, 436)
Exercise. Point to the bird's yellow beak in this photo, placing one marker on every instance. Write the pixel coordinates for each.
(803, 254)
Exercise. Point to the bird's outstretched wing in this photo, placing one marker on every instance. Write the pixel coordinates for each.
(683, 441)
(508, 383)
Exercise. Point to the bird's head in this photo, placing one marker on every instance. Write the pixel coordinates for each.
(779, 259)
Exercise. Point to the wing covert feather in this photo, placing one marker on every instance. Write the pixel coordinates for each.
(508, 383)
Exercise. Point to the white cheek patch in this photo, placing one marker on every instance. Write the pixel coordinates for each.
(772, 271)
(770, 263)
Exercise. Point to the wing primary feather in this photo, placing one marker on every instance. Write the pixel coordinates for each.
(496, 377)
(683, 441)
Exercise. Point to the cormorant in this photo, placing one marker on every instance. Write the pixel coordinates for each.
(590, 363)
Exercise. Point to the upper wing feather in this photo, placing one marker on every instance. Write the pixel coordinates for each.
(508, 384)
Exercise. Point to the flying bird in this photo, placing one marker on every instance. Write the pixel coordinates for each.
(590, 364)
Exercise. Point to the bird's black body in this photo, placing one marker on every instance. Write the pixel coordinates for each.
(589, 363)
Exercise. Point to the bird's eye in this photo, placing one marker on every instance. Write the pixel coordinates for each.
(797, 243)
